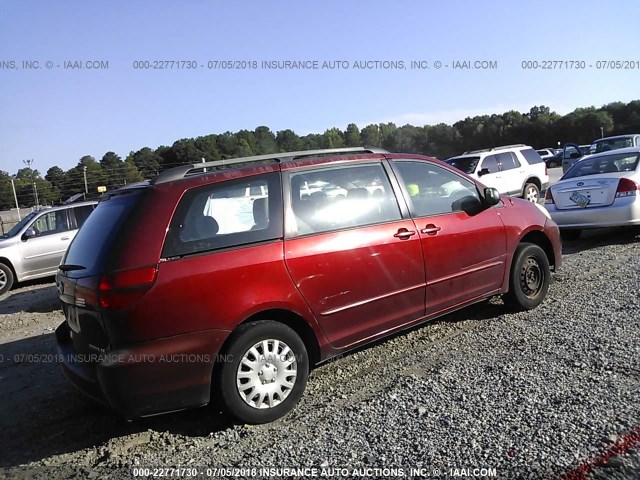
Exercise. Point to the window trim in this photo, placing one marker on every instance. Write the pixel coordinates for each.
(273, 233)
(407, 197)
(47, 233)
(290, 226)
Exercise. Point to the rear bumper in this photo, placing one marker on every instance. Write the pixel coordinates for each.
(163, 375)
(623, 211)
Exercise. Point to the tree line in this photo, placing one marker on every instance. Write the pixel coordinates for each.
(539, 128)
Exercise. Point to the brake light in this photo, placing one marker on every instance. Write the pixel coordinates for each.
(120, 289)
(548, 196)
(627, 188)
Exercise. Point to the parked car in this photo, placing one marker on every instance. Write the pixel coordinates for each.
(514, 170)
(34, 247)
(613, 143)
(163, 312)
(600, 191)
(546, 153)
(553, 162)
(572, 152)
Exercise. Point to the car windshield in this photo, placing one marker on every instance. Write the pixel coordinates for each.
(466, 164)
(18, 226)
(623, 162)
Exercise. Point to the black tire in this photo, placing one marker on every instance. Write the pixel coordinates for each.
(570, 235)
(529, 279)
(6, 278)
(531, 192)
(244, 406)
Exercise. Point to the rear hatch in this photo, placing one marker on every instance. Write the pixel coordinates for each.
(586, 192)
(81, 270)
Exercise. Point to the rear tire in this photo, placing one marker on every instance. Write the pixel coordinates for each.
(264, 372)
(531, 193)
(6, 278)
(529, 279)
(570, 235)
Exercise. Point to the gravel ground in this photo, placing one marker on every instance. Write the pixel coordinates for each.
(550, 393)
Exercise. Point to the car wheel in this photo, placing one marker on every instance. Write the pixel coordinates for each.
(531, 192)
(6, 278)
(570, 235)
(529, 280)
(263, 373)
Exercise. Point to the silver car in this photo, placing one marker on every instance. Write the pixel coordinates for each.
(602, 190)
(34, 247)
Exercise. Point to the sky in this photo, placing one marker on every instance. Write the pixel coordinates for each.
(55, 115)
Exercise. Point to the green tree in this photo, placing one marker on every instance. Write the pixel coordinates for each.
(288, 141)
(265, 141)
(352, 136)
(147, 162)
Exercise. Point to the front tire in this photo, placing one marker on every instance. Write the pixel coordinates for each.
(531, 193)
(529, 279)
(6, 278)
(263, 373)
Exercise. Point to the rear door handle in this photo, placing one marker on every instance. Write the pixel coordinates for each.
(403, 234)
(431, 229)
(64, 238)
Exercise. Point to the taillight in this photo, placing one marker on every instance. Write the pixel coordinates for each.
(120, 289)
(627, 188)
(548, 196)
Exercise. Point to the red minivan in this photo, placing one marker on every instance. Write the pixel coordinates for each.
(231, 283)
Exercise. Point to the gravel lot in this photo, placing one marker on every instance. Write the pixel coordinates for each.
(544, 394)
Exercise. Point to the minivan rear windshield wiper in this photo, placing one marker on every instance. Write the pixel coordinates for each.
(68, 268)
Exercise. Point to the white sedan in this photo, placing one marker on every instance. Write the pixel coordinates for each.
(602, 190)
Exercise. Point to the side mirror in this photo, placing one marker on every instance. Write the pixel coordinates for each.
(483, 171)
(30, 233)
(469, 205)
(491, 197)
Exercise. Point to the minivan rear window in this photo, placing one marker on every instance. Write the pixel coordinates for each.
(92, 243)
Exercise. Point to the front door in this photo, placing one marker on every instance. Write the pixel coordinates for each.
(464, 254)
(43, 252)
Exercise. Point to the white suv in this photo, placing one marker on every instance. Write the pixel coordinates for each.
(515, 170)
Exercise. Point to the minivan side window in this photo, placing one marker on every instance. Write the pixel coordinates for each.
(434, 190)
(226, 214)
(50, 223)
(340, 197)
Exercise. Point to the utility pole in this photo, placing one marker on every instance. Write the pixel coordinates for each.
(601, 132)
(86, 189)
(28, 163)
(15, 197)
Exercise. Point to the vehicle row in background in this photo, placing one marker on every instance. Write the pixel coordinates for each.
(572, 152)
(601, 190)
(514, 170)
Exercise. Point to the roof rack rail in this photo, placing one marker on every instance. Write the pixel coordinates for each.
(178, 173)
(502, 147)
